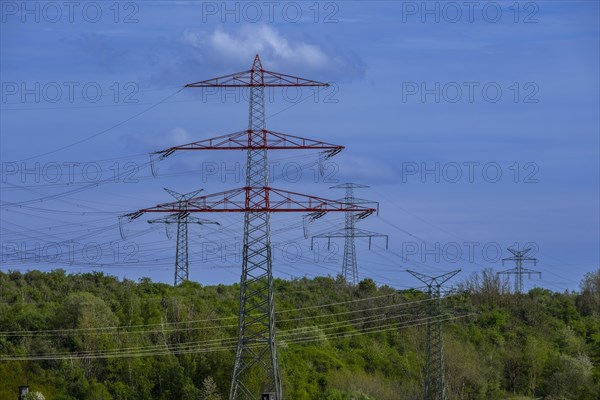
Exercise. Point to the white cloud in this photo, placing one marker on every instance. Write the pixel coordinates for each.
(194, 39)
(264, 40)
(231, 49)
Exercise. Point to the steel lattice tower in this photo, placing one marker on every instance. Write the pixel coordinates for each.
(520, 257)
(182, 218)
(256, 355)
(434, 357)
(256, 294)
(350, 232)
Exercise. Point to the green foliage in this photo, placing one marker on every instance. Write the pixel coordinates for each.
(537, 345)
(589, 301)
(209, 391)
(34, 396)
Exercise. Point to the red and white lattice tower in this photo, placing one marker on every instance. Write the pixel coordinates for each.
(256, 367)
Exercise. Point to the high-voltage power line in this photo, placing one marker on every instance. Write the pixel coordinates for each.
(350, 232)
(520, 257)
(434, 358)
(182, 218)
(256, 354)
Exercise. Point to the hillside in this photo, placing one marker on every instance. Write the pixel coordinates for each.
(92, 336)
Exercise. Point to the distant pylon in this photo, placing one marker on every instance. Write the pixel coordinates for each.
(519, 257)
(182, 218)
(349, 232)
(434, 358)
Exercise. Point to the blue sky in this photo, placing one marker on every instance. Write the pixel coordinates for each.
(476, 128)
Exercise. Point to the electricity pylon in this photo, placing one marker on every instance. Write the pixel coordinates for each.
(434, 357)
(520, 257)
(350, 232)
(256, 365)
(182, 218)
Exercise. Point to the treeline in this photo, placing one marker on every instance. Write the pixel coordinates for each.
(93, 336)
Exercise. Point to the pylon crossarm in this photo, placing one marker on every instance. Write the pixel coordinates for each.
(440, 280)
(174, 219)
(344, 232)
(183, 196)
(427, 280)
(275, 200)
(374, 204)
(433, 280)
(507, 271)
(247, 140)
(245, 79)
(169, 219)
(520, 253)
(534, 260)
(283, 200)
(199, 221)
(530, 272)
(357, 200)
(348, 185)
(238, 79)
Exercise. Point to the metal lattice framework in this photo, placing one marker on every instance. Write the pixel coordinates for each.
(256, 365)
(350, 232)
(520, 257)
(270, 141)
(182, 219)
(434, 358)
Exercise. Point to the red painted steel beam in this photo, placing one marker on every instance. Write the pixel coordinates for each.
(242, 140)
(245, 79)
(270, 200)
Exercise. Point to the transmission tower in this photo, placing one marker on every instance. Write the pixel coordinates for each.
(520, 257)
(350, 232)
(434, 358)
(182, 218)
(256, 353)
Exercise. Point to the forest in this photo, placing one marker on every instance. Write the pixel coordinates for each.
(94, 336)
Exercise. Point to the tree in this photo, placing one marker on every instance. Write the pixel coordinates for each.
(209, 389)
(88, 315)
(570, 378)
(589, 301)
(367, 286)
(485, 287)
(541, 345)
(191, 392)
